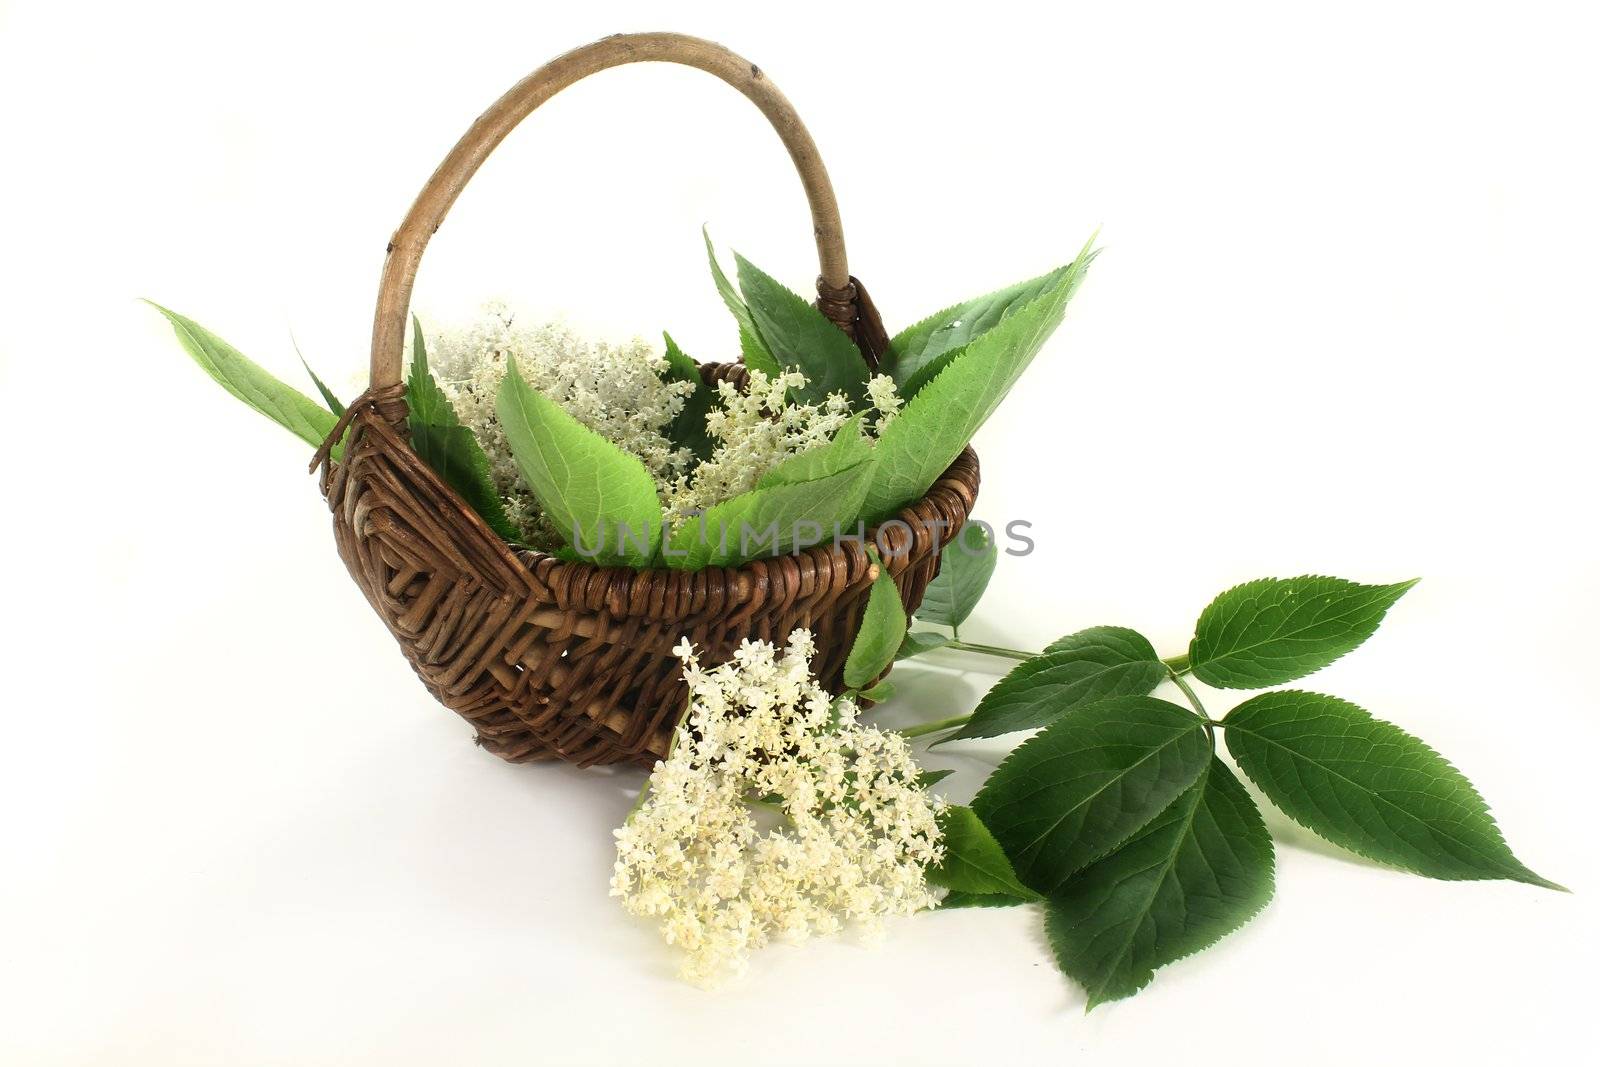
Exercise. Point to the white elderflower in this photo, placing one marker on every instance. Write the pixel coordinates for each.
(753, 431)
(885, 399)
(859, 831)
(616, 390)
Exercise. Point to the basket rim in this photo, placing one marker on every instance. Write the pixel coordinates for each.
(910, 515)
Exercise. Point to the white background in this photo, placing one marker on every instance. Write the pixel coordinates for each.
(1344, 323)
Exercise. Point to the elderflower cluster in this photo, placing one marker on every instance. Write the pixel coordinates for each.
(759, 428)
(859, 829)
(885, 399)
(618, 391)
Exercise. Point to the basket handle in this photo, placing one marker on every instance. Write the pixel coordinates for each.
(839, 293)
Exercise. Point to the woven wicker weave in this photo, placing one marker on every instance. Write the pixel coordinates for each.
(553, 659)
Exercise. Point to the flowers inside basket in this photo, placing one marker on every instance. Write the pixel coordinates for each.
(609, 553)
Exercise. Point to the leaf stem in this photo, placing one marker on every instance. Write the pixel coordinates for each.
(936, 727)
(644, 791)
(638, 802)
(1178, 664)
(990, 650)
(1194, 701)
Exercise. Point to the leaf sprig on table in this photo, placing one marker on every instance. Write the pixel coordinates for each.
(1121, 819)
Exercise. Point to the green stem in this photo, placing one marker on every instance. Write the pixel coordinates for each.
(1194, 701)
(644, 792)
(1177, 664)
(990, 650)
(936, 727)
(638, 802)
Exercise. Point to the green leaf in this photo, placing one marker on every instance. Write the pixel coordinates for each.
(927, 374)
(1100, 662)
(441, 442)
(425, 401)
(284, 405)
(928, 779)
(328, 397)
(957, 899)
(913, 349)
(1132, 643)
(1370, 787)
(585, 484)
(681, 367)
(757, 356)
(688, 429)
(1199, 871)
(800, 337)
(883, 627)
(965, 567)
(846, 449)
(1079, 789)
(917, 370)
(973, 860)
(879, 693)
(769, 521)
(919, 641)
(1275, 630)
(936, 424)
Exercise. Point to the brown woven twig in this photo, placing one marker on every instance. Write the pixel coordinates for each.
(551, 659)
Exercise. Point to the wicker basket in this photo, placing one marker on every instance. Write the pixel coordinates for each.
(553, 659)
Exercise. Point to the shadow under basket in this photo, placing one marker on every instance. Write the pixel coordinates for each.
(550, 659)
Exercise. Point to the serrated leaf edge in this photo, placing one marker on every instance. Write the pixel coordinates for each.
(1060, 723)
(1196, 666)
(1033, 666)
(1488, 813)
(1093, 998)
